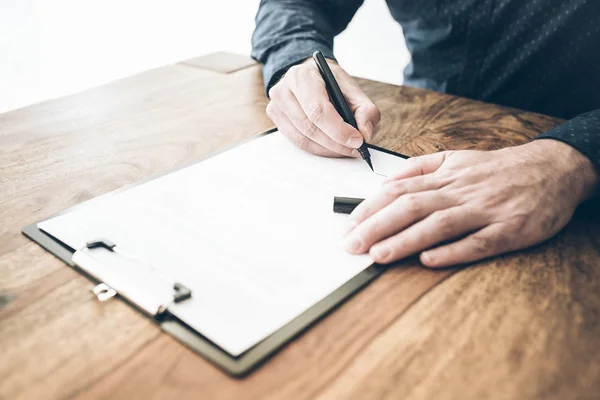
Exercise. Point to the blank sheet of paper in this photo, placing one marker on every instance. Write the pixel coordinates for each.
(250, 231)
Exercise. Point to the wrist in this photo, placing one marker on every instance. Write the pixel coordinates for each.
(572, 168)
(281, 74)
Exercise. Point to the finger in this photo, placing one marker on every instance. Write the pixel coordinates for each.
(390, 191)
(487, 242)
(421, 165)
(289, 131)
(309, 89)
(289, 105)
(403, 212)
(367, 116)
(438, 227)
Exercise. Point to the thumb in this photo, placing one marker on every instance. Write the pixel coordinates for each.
(421, 165)
(367, 116)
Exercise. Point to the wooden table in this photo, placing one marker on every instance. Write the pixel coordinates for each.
(526, 325)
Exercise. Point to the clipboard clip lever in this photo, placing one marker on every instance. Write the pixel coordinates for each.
(154, 299)
(103, 292)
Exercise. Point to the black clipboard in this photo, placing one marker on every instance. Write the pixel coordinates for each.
(236, 366)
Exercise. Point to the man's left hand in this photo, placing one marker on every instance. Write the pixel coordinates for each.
(456, 207)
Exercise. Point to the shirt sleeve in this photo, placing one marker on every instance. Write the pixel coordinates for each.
(288, 32)
(581, 132)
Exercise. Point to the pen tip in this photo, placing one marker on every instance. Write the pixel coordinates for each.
(370, 164)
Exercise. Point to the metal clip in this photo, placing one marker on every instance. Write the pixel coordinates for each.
(154, 296)
(180, 292)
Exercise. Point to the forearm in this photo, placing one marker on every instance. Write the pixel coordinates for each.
(289, 31)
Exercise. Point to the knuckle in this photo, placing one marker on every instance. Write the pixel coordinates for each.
(302, 142)
(471, 171)
(503, 242)
(418, 183)
(484, 244)
(444, 223)
(360, 213)
(394, 188)
(552, 222)
(412, 203)
(313, 74)
(375, 224)
(308, 128)
(519, 222)
(315, 112)
(374, 111)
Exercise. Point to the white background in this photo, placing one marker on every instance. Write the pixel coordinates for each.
(50, 48)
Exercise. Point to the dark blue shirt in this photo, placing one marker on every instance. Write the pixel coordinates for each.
(537, 55)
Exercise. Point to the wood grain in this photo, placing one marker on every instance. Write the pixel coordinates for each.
(54, 338)
(298, 371)
(520, 326)
(524, 325)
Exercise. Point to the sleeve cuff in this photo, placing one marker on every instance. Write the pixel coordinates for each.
(582, 133)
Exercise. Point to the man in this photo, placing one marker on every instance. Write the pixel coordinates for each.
(458, 206)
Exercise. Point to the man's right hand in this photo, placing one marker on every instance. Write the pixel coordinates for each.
(302, 111)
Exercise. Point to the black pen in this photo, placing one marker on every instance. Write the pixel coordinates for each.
(339, 102)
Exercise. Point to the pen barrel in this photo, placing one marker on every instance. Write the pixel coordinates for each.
(339, 101)
(333, 89)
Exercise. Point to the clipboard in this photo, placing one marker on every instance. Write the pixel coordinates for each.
(156, 307)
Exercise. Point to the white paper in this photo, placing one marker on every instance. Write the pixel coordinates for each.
(251, 232)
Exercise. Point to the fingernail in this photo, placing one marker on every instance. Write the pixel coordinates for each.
(354, 141)
(369, 129)
(353, 244)
(426, 258)
(380, 253)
